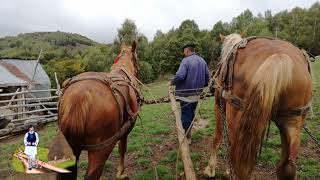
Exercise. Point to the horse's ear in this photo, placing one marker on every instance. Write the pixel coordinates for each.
(222, 37)
(134, 46)
(242, 34)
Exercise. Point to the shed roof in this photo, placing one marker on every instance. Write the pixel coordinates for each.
(14, 72)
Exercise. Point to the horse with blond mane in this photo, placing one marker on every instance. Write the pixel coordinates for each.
(269, 79)
(98, 109)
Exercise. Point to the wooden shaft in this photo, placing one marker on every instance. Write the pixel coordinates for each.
(184, 149)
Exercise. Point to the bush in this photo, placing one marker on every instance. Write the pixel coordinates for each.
(145, 72)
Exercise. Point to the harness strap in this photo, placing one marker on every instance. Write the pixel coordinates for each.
(112, 139)
(235, 101)
(294, 111)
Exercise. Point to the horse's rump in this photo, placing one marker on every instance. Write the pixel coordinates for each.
(262, 73)
(95, 105)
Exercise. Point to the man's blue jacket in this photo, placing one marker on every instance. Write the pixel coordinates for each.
(192, 76)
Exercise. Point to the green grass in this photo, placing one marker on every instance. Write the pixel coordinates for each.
(156, 128)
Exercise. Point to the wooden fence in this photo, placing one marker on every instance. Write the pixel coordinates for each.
(21, 108)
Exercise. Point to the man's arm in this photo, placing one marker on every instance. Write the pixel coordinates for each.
(37, 138)
(181, 73)
(25, 139)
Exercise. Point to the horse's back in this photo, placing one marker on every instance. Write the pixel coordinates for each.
(258, 51)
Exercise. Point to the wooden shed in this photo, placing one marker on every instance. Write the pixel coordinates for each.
(26, 96)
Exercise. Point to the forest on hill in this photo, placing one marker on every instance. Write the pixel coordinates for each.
(69, 54)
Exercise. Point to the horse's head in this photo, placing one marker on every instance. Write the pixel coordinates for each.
(228, 42)
(127, 58)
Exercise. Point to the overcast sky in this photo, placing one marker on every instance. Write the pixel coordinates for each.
(99, 19)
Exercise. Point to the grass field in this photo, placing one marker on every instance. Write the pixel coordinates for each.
(153, 143)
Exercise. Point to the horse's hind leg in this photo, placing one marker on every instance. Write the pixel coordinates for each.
(97, 159)
(73, 169)
(122, 150)
(290, 140)
(210, 169)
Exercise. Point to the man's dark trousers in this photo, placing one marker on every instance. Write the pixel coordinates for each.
(187, 114)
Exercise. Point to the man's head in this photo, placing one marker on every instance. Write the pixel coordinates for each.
(188, 49)
(31, 128)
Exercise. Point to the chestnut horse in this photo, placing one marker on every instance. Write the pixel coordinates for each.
(271, 76)
(90, 113)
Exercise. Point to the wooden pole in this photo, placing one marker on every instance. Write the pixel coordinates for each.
(12, 98)
(184, 148)
(23, 103)
(58, 85)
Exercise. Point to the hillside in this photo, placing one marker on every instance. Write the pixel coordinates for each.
(54, 44)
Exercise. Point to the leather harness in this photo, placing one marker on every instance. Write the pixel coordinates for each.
(224, 81)
(115, 81)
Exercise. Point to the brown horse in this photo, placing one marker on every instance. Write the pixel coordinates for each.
(94, 109)
(272, 79)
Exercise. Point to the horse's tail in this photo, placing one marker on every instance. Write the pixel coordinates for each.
(73, 113)
(272, 78)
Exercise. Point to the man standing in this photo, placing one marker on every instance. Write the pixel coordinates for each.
(31, 141)
(190, 79)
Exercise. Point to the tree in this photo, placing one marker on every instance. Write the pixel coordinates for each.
(128, 32)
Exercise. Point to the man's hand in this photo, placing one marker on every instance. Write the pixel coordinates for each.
(28, 143)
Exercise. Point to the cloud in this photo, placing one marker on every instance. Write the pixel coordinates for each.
(99, 19)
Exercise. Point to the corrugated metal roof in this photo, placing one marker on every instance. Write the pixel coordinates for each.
(14, 72)
(8, 79)
(19, 72)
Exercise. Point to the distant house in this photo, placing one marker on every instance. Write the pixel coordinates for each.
(15, 73)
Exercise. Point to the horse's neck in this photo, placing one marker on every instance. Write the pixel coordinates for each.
(127, 70)
(121, 65)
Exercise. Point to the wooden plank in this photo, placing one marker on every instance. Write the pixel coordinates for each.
(28, 112)
(29, 105)
(23, 102)
(20, 109)
(25, 163)
(46, 165)
(28, 91)
(184, 148)
(13, 97)
(30, 99)
(43, 106)
(35, 117)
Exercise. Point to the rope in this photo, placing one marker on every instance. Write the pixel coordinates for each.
(313, 137)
